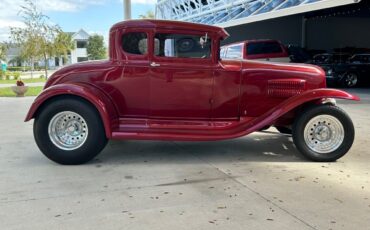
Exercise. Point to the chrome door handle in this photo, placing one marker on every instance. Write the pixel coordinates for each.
(153, 64)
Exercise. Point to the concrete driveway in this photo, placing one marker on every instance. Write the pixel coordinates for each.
(255, 182)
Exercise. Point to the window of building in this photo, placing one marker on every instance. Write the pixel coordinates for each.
(235, 52)
(264, 48)
(182, 46)
(81, 44)
(135, 43)
(80, 59)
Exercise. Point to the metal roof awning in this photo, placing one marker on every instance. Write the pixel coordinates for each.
(227, 13)
(305, 6)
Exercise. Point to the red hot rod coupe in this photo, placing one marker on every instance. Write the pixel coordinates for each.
(164, 80)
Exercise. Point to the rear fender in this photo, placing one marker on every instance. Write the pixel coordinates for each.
(93, 95)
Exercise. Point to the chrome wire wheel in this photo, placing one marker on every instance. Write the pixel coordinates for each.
(68, 130)
(324, 134)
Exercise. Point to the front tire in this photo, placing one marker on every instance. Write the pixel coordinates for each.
(69, 131)
(323, 133)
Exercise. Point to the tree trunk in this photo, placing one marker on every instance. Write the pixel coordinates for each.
(32, 67)
(46, 66)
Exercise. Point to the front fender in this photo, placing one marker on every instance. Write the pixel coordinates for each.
(293, 102)
(96, 97)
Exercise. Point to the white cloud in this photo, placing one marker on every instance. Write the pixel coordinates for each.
(67, 5)
(9, 11)
(5, 23)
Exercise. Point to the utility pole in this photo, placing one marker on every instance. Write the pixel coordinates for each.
(127, 9)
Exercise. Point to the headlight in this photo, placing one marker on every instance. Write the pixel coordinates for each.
(329, 72)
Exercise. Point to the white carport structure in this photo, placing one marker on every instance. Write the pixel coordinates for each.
(316, 24)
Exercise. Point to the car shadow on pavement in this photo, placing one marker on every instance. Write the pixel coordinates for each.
(259, 147)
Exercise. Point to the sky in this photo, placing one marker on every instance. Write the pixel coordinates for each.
(94, 16)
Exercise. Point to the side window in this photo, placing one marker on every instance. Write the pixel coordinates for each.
(263, 48)
(182, 45)
(235, 52)
(135, 43)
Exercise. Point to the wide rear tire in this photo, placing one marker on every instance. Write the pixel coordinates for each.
(323, 133)
(69, 131)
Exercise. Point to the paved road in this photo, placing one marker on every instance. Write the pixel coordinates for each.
(255, 182)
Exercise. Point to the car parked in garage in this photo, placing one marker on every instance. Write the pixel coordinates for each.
(345, 70)
(165, 80)
(259, 50)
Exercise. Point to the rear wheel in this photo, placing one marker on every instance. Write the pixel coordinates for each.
(323, 133)
(69, 131)
(349, 80)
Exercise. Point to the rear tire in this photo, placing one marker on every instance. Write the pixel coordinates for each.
(69, 131)
(323, 133)
(350, 80)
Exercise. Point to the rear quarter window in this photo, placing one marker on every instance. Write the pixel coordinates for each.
(135, 43)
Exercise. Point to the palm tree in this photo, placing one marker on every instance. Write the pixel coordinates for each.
(148, 15)
(63, 44)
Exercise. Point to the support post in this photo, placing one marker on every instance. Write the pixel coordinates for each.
(127, 9)
(303, 31)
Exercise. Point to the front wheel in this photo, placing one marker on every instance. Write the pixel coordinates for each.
(323, 133)
(69, 131)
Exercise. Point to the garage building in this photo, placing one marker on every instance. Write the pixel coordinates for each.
(322, 25)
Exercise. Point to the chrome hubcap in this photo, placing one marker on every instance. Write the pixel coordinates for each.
(324, 134)
(351, 80)
(68, 130)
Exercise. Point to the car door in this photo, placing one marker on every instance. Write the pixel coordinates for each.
(181, 75)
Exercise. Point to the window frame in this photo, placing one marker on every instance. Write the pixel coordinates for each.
(130, 56)
(79, 41)
(182, 59)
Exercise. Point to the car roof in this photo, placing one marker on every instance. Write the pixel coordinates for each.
(167, 24)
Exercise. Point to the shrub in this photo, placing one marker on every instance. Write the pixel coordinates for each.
(19, 68)
(42, 76)
(16, 75)
(7, 75)
(2, 74)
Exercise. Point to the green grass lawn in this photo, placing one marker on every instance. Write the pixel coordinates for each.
(32, 91)
(30, 80)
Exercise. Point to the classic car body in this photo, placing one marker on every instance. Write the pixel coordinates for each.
(164, 80)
